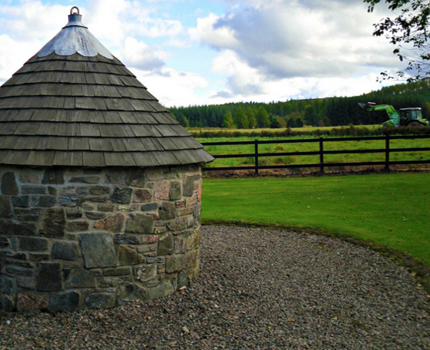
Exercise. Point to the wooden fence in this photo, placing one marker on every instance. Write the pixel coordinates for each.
(387, 150)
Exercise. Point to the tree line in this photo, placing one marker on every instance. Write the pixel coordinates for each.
(333, 111)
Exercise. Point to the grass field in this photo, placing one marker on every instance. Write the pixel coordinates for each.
(312, 147)
(390, 210)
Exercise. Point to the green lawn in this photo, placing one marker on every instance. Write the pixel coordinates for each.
(391, 210)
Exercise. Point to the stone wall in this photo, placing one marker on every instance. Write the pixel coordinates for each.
(76, 238)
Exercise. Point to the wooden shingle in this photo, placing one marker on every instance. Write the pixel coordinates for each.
(88, 111)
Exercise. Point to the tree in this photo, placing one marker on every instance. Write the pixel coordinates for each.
(409, 28)
(250, 112)
(228, 121)
(263, 119)
(241, 119)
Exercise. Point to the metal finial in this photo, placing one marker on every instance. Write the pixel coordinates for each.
(74, 8)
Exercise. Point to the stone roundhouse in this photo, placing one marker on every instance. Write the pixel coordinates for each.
(100, 186)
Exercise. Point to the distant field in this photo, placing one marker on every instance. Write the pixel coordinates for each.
(389, 210)
(312, 147)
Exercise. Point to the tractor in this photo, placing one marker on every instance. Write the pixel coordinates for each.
(404, 117)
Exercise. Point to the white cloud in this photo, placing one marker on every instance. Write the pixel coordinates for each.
(137, 54)
(173, 88)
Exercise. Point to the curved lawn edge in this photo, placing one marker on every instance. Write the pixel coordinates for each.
(419, 268)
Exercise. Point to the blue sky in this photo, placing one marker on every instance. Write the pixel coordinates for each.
(189, 52)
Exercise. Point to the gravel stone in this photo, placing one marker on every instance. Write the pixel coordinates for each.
(258, 289)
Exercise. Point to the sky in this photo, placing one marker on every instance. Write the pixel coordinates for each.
(196, 52)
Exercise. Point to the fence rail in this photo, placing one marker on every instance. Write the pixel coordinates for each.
(387, 150)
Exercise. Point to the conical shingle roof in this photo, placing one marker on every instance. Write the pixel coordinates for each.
(74, 104)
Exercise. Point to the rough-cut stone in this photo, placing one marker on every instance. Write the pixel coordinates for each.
(79, 278)
(8, 184)
(175, 192)
(30, 301)
(165, 245)
(99, 190)
(48, 277)
(5, 209)
(33, 244)
(66, 301)
(162, 191)
(23, 229)
(140, 224)
(145, 273)
(101, 300)
(53, 177)
(98, 250)
(128, 256)
(164, 288)
(28, 176)
(73, 213)
(189, 185)
(111, 223)
(167, 211)
(54, 223)
(43, 201)
(106, 207)
(31, 215)
(182, 280)
(4, 242)
(21, 201)
(6, 286)
(121, 195)
(132, 291)
(64, 251)
(142, 196)
(26, 189)
(149, 207)
(85, 179)
(95, 215)
(77, 226)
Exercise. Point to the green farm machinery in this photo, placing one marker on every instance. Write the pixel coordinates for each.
(411, 116)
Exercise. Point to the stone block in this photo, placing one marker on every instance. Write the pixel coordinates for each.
(33, 244)
(79, 278)
(142, 196)
(29, 176)
(8, 184)
(111, 223)
(4, 242)
(26, 189)
(95, 215)
(30, 301)
(162, 191)
(7, 286)
(85, 179)
(54, 223)
(77, 226)
(43, 201)
(165, 245)
(128, 256)
(118, 271)
(145, 273)
(106, 207)
(64, 251)
(65, 301)
(99, 190)
(189, 185)
(140, 224)
(21, 201)
(23, 229)
(149, 207)
(175, 192)
(164, 288)
(48, 277)
(74, 213)
(19, 271)
(5, 208)
(167, 211)
(53, 177)
(121, 195)
(100, 300)
(98, 250)
(132, 291)
(31, 215)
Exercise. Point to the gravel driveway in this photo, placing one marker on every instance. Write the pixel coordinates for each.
(258, 289)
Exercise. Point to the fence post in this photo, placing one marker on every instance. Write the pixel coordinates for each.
(256, 156)
(387, 153)
(321, 155)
